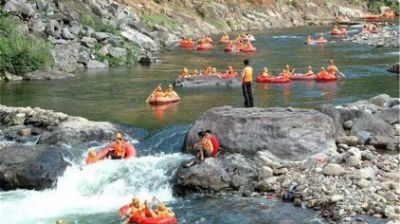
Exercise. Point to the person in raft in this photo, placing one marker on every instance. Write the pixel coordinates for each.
(204, 147)
(184, 73)
(323, 73)
(136, 207)
(91, 157)
(309, 39)
(170, 92)
(118, 149)
(230, 70)
(161, 211)
(321, 37)
(266, 73)
(332, 69)
(247, 78)
(309, 71)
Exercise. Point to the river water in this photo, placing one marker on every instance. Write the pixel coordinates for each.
(93, 194)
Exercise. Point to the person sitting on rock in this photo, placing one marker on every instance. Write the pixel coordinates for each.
(204, 149)
(332, 69)
(266, 73)
(309, 71)
(170, 92)
(118, 149)
(161, 211)
(91, 157)
(214, 141)
(136, 208)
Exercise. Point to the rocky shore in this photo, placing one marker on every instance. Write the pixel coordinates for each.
(359, 175)
(384, 38)
(96, 34)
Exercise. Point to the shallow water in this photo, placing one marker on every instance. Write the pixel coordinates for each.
(93, 194)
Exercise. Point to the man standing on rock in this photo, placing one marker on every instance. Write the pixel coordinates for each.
(247, 78)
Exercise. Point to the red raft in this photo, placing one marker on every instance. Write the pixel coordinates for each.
(279, 79)
(203, 47)
(371, 17)
(163, 100)
(129, 151)
(328, 78)
(231, 49)
(146, 220)
(229, 75)
(303, 77)
(186, 44)
(248, 49)
(338, 33)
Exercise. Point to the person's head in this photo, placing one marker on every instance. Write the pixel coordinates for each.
(322, 69)
(230, 67)
(135, 202)
(309, 36)
(170, 86)
(195, 71)
(92, 153)
(59, 221)
(161, 206)
(246, 62)
(331, 62)
(287, 66)
(265, 69)
(208, 131)
(118, 137)
(335, 26)
(309, 67)
(201, 133)
(214, 70)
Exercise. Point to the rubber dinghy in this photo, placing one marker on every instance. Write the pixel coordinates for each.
(278, 79)
(328, 78)
(228, 75)
(163, 100)
(204, 47)
(302, 77)
(248, 49)
(146, 220)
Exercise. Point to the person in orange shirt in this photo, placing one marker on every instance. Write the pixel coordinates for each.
(204, 147)
(91, 157)
(161, 211)
(247, 79)
(135, 208)
(323, 73)
(117, 150)
(332, 69)
(309, 71)
(285, 74)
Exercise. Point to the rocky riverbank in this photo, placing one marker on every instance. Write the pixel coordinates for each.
(342, 180)
(384, 38)
(102, 33)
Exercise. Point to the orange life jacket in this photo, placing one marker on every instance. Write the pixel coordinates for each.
(90, 159)
(332, 69)
(206, 144)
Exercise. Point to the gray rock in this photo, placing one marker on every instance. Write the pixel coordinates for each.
(348, 140)
(117, 52)
(337, 197)
(66, 56)
(288, 133)
(30, 167)
(363, 137)
(265, 172)
(66, 34)
(390, 115)
(381, 100)
(348, 124)
(17, 119)
(384, 142)
(353, 161)
(364, 173)
(11, 77)
(394, 69)
(141, 39)
(266, 184)
(104, 50)
(47, 75)
(101, 36)
(75, 28)
(53, 28)
(84, 57)
(333, 170)
(331, 111)
(19, 8)
(87, 31)
(93, 64)
(373, 124)
(88, 41)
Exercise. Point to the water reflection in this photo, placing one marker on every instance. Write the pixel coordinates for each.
(159, 111)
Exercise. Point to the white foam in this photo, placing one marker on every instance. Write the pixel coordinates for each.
(101, 187)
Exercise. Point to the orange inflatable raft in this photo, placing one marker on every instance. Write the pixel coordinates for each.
(146, 220)
(229, 75)
(328, 78)
(129, 151)
(203, 47)
(303, 77)
(163, 100)
(371, 17)
(248, 49)
(338, 33)
(278, 79)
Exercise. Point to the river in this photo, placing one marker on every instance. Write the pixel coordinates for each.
(93, 194)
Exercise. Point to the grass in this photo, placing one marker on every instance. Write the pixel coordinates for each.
(150, 20)
(20, 53)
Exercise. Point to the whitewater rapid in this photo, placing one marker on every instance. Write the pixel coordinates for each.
(98, 188)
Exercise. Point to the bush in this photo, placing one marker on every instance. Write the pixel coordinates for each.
(150, 20)
(20, 53)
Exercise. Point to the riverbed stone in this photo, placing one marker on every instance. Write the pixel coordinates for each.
(117, 52)
(30, 167)
(94, 64)
(348, 124)
(287, 133)
(333, 170)
(381, 100)
(265, 172)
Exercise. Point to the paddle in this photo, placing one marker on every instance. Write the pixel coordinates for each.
(291, 73)
(148, 98)
(342, 74)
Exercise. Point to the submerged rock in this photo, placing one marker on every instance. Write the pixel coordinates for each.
(30, 167)
(291, 134)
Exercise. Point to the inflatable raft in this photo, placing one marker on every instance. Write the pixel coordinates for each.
(163, 100)
(303, 77)
(338, 33)
(146, 220)
(204, 47)
(228, 75)
(186, 45)
(328, 78)
(129, 151)
(249, 49)
(371, 17)
(279, 79)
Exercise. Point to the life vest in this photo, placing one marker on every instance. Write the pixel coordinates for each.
(215, 143)
(90, 160)
(323, 74)
(332, 69)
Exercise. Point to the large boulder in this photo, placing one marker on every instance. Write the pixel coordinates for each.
(66, 56)
(30, 167)
(334, 113)
(373, 124)
(288, 133)
(216, 174)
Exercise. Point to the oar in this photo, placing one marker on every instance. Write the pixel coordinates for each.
(342, 74)
(291, 73)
